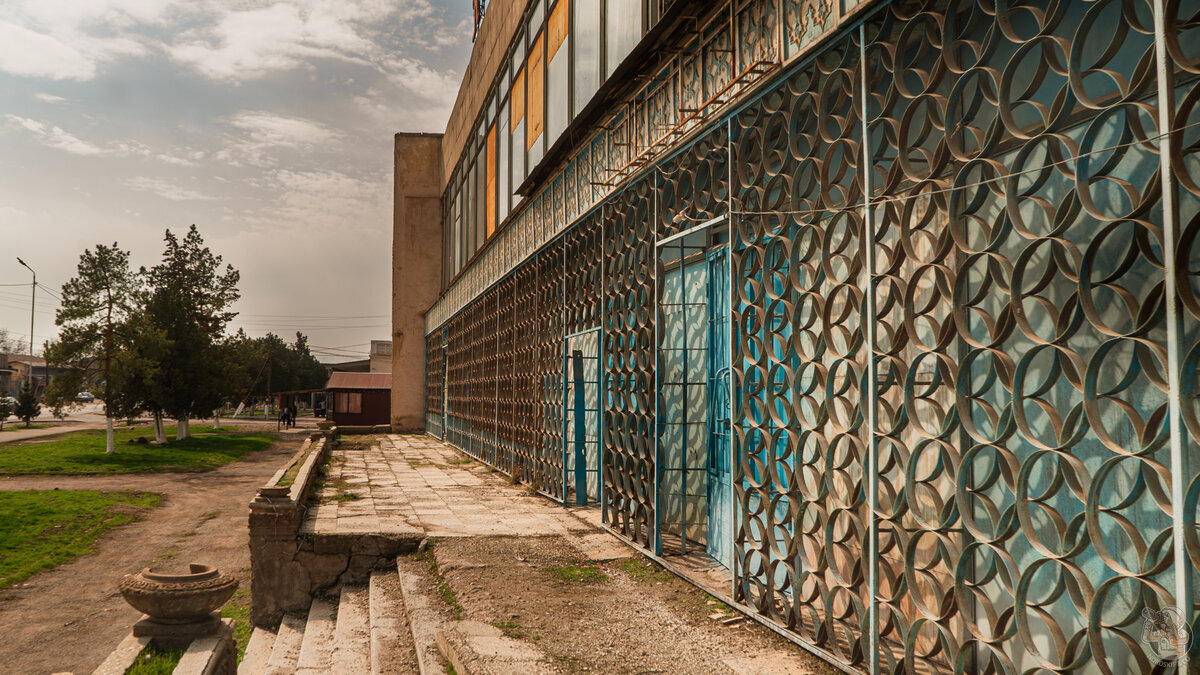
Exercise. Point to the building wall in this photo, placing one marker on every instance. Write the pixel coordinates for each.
(381, 356)
(500, 23)
(950, 349)
(416, 269)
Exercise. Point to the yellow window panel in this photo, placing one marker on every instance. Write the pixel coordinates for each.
(556, 28)
(536, 97)
(518, 101)
(491, 182)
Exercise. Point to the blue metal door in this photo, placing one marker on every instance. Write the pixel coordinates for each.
(581, 419)
(720, 486)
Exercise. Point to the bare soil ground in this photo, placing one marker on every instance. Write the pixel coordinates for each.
(622, 616)
(70, 618)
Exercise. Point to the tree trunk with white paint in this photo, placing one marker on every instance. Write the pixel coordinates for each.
(160, 432)
(109, 446)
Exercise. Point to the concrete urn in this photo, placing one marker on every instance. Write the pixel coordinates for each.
(179, 598)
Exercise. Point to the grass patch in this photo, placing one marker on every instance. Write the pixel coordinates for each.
(444, 591)
(514, 630)
(40, 529)
(82, 452)
(464, 460)
(639, 569)
(717, 605)
(155, 660)
(346, 496)
(9, 425)
(584, 574)
(238, 609)
(289, 477)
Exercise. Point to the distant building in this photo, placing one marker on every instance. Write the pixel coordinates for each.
(381, 356)
(358, 399)
(358, 366)
(15, 368)
(6, 375)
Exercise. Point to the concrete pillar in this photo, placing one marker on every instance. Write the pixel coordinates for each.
(416, 269)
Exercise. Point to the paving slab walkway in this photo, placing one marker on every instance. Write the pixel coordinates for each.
(408, 484)
(511, 573)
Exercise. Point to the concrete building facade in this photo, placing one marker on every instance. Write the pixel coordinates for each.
(886, 312)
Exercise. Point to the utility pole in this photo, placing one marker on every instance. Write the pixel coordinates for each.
(270, 353)
(33, 302)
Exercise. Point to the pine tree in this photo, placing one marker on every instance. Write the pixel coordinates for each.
(27, 404)
(6, 410)
(95, 339)
(189, 300)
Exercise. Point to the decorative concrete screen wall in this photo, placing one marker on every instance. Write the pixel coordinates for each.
(965, 336)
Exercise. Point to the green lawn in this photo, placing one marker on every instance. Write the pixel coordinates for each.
(17, 425)
(82, 452)
(43, 528)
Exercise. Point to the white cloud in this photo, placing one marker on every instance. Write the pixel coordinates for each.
(71, 39)
(48, 98)
(412, 97)
(269, 129)
(56, 137)
(31, 54)
(261, 134)
(165, 189)
(248, 44)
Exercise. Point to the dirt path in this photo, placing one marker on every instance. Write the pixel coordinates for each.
(625, 616)
(69, 618)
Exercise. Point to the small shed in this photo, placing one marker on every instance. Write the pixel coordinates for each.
(359, 399)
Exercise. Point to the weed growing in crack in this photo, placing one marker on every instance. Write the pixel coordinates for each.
(642, 570)
(585, 574)
(444, 591)
(514, 630)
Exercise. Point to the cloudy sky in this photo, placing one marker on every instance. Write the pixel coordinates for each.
(266, 123)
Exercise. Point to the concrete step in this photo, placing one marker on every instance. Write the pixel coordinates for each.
(316, 652)
(352, 639)
(258, 652)
(286, 651)
(356, 632)
(390, 639)
(426, 613)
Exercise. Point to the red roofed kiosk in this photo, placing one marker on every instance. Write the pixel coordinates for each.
(359, 399)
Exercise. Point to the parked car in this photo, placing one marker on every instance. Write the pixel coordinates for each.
(12, 402)
(85, 397)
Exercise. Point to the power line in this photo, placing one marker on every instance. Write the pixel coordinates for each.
(314, 316)
(304, 328)
(54, 294)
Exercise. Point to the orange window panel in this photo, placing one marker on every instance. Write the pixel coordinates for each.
(491, 182)
(518, 101)
(537, 80)
(556, 27)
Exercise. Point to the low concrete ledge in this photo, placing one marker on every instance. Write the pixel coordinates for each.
(361, 430)
(123, 656)
(279, 582)
(212, 655)
(477, 648)
(209, 655)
